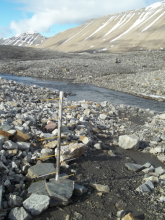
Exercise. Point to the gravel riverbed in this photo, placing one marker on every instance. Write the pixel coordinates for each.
(122, 163)
(140, 73)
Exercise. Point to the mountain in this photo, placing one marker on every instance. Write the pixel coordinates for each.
(30, 38)
(131, 30)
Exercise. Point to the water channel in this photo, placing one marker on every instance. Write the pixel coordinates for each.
(89, 92)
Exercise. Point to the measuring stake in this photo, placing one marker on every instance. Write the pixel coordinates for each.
(59, 136)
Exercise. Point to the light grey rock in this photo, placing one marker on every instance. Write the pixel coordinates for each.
(23, 145)
(19, 214)
(149, 170)
(146, 187)
(134, 167)
(60, 190)
(162, 199)
(79, 190)
(129, 142)
(10, 145)
(12, 132)
(156, 139)
(85, 106)
(156, 150)
(101, 188)
(98, 146)
(121, 214)
(36, 204)
(121, 205)
(153, 179)
(161, 158)
(41, 169)
(15, 200)
(46, 152)
(103, 104)
(103, 116)
(162, 177)
(162, 116)
(159, 170)
(77, 216)
(163, 137)
(147, 165)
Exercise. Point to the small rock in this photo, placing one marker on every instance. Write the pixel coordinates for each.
(51, 126)
(129, 216)
(161, 158)
(159, 170)
(121, 205)
(162, 199)
(146, 187)
(19, 213)
(103, 116)
(77, 216)
(134, 167)
(15, 200)
(129, 142)
(20, 136)
(10, 145)
(23, 145)
(79, 190)
(51, 145)
(101, 188)
(98, 146)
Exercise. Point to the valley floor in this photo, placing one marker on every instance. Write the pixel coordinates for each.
(140, 72)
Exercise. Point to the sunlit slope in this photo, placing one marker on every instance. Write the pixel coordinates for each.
(131, 30)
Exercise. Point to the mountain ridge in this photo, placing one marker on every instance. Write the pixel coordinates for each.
(139, 29)
(29, 38)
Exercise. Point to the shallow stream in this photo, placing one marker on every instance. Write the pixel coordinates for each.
(90, 93)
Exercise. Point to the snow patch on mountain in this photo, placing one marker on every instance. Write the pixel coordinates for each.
(30, 38)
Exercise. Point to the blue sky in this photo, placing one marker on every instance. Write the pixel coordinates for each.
(49, 17)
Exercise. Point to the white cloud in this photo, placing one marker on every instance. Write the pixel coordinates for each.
(49, 12)
(4, 32)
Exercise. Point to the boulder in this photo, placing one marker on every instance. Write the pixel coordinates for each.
(129, 142)
(61, 189)
(41, 169)
(36, 204)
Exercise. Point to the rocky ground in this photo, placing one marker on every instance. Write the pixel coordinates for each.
(139, 73)
(114, 177)
(119, 150)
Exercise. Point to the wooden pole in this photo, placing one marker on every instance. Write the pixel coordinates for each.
(59, 135)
